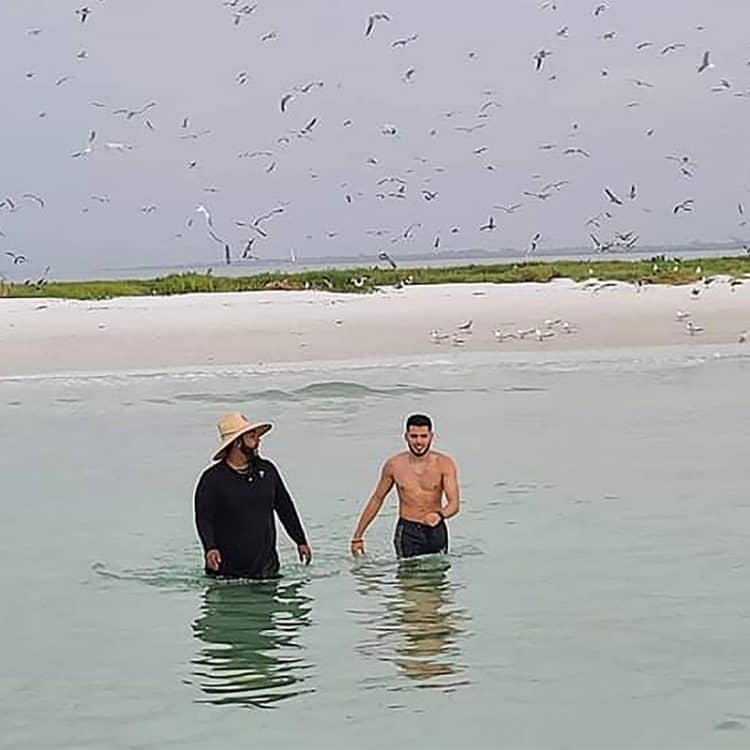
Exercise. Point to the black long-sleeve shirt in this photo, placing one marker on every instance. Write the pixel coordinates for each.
(234, 513)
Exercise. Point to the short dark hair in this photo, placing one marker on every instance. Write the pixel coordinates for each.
(418, 420)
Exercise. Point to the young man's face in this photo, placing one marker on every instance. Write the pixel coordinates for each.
(419, 440)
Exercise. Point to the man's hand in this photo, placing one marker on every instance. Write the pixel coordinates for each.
(433, 518)
(305, 553)
(357, 547)
(213, 560)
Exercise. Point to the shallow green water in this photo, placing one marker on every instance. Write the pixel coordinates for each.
(594, 596)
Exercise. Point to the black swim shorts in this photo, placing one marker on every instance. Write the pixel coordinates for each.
(412, 538)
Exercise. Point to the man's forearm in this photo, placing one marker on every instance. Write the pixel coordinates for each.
(366, 518)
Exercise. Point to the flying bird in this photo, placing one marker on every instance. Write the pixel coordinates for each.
(131, 113)
(534, 243)
(405, 41)
(540, 57)
(490, 225)
(705, 62)
(285, 100)
(576, 151)
(671, 48)
(686, 205)
(509, 209)
(33, 197)
(383, 255)
(612, 197)
(372, 19)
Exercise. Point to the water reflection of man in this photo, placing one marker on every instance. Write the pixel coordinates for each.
(419, 631)
(250, 654)
(428, 626)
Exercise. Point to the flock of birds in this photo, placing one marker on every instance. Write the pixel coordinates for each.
(552, 327)
(602, 228)
(540, 333)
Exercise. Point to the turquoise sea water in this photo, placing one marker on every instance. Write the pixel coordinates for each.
(594, 595)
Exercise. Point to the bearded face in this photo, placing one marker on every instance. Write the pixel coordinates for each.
(419, 440)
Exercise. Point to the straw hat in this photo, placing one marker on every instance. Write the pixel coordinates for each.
(232, 426)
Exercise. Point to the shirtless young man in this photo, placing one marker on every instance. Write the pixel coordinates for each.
(421, 476)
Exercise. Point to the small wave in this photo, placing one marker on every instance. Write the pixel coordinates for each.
(181, 577)
(331, 389)
(621, 360)
(167, 577)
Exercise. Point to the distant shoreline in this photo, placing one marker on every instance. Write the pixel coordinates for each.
(560, 317)
(659, 269)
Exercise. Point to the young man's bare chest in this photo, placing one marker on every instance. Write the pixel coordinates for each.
(421, 477)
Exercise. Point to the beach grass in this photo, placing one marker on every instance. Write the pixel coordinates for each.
(656, 270)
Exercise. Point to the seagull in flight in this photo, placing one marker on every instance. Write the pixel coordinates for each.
(672, 47)
(573, 151)
(131, 113)
(264, 217)
(612, 197)
(383, 255)
(285, 100)
(542, 196)
(540, 57)
(510, 209)
(686, 206)
(33, 197)
(405, 41)
(705, 62)
(534, 243)
(84, 13)
(490, 225)
(372, 19)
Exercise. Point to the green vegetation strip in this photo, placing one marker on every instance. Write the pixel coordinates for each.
(656, 270)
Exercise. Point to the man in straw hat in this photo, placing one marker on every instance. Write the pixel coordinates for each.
(235, 502)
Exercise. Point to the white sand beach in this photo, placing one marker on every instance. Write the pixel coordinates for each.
(44, 336)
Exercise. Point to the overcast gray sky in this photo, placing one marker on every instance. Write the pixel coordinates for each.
(188, 56)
